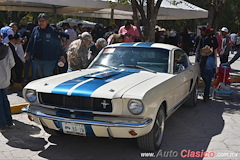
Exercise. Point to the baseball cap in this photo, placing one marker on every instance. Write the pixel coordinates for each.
(224, 29)
(12, 24)
(209, 29)
(43, 15)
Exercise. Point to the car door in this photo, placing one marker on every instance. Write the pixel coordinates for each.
(182, 68)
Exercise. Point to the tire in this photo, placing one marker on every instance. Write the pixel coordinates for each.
(152, 141)
(192, 100)
(52, 132)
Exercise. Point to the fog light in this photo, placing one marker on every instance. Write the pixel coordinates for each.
(133, 133)
(30, 118)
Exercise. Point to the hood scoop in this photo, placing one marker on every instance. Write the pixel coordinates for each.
(102, 75)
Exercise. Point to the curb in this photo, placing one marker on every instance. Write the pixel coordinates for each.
(17, 108)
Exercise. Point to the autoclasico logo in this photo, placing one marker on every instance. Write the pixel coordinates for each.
(184, 154)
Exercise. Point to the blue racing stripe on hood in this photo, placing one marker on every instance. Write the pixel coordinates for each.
(88, 88)
(64, 87)
(144, 44)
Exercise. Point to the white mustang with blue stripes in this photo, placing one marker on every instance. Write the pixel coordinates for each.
(128, 91)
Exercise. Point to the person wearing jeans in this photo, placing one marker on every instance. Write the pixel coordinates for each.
(44, 47)
(30, 63)
(45, 68)
(5, 111)
(6, 64)
(208, 68)
(207, 76)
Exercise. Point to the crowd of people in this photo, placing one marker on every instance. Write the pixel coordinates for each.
(48, 50)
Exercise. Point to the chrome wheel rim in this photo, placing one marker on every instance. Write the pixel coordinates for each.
(159, 128)
(196, 94)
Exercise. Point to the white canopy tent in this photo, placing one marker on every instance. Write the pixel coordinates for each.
(167, 11)
(57, 6)
(102, 9)
(75, 22)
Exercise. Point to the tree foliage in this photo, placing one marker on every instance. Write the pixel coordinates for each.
(221, 12)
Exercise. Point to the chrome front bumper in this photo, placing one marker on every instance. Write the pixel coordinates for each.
(136, 124)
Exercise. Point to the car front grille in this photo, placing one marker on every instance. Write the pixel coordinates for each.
(76, 102)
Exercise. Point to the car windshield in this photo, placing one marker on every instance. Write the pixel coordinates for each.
(149, 59)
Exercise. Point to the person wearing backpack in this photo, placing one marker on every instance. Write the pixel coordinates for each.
(6, 63)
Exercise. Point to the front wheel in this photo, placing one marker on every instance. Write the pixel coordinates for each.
(152, 140)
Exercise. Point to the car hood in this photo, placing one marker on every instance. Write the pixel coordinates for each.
(92, 83)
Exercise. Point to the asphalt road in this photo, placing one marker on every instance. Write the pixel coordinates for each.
(212, 128)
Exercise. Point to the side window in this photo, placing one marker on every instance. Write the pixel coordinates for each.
(180, 62)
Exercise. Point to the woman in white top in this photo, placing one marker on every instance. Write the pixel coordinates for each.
(6, 63)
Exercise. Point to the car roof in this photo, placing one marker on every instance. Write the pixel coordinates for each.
(145, 45)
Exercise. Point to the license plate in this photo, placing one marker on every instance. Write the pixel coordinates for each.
(73, 128)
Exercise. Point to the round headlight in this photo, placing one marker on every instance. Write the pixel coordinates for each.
(31, 95)
(135, 107)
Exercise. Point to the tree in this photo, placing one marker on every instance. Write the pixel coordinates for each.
(14, 16)
(148, 18)
(214, 7)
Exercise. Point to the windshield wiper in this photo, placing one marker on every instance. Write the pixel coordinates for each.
(140, 67)
(106, 66)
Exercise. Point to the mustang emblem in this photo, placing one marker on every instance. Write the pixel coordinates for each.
(104, 104)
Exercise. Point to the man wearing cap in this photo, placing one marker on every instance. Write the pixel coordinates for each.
(44, 47)
(78, 52)
(225, 46)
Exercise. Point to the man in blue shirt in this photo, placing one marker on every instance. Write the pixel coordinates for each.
(44, 47)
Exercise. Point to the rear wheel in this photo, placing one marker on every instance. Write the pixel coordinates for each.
(152, 140)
